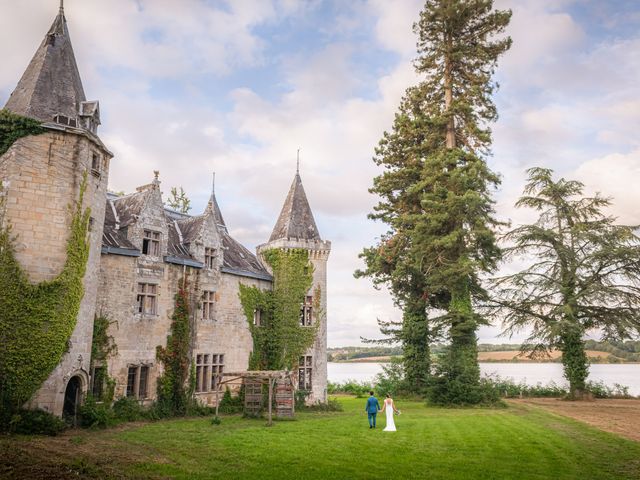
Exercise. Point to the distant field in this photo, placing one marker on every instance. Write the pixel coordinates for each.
(500, 356)
(515, 356)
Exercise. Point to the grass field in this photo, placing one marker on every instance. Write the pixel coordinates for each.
(518, 442)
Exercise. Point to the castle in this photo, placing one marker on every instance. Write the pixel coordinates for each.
(138, 249)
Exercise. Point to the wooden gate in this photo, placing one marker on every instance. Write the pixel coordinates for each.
(284, 398)
(252, 396)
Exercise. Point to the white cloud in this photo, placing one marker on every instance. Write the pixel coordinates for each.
(567, 101)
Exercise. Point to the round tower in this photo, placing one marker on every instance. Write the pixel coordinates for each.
(42, 176)
(296, 228)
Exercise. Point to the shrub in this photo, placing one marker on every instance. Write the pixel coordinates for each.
(331, 405)
(96, 415)
(351, 387)
(231, 404)
(36, 422)
(129, 409)
(391, 380)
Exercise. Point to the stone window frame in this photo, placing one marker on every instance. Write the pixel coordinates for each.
(151, 240)
(96, 164)
(209, 257)
(209, 368)
(305, 373)
(147, 298)
(137, 381)
(97, 388)
(306, 311)
(208, 304)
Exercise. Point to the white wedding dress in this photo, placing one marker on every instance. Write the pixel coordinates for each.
(391, 425)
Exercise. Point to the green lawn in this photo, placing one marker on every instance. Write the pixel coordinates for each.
(517, 442)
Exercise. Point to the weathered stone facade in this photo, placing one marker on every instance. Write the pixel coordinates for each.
(139, 251)
(42, 176)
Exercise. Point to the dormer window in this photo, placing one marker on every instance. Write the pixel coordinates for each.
(209, 256)
(64, 120)
(151, 243)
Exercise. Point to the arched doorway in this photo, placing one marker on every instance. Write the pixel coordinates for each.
(72, 397)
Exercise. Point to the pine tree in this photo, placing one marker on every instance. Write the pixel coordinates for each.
(586, 274)
(436, 190)
(179, 201)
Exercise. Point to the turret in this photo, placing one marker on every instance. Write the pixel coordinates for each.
(296, 228)
(41, 175)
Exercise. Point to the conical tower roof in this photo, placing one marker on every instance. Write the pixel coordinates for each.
(51, 84)
(215, 208)
(296, 219)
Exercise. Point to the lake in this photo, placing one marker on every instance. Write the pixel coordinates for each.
(627, 374)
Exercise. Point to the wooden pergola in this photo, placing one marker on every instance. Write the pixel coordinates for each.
(253, 396)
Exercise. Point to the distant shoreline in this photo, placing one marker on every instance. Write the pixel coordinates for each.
(511, 356)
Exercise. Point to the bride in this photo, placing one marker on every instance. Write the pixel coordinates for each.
(390, 407)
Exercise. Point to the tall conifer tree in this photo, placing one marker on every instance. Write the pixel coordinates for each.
(436, 190)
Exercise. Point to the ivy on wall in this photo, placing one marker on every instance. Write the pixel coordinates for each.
(102, 347)
(13, 127)
(279, 340)
(36, 321)
(176, 383)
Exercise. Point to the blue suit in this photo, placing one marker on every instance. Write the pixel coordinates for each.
(372, 409)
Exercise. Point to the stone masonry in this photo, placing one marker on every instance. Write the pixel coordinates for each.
(139, 250)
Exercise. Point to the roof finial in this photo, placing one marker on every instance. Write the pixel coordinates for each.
(298, 163)
(213, 185)
(61, 7)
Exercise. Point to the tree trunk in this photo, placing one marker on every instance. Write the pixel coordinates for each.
(574, 361)
(416, 356)
(448, 97)
(464, 344)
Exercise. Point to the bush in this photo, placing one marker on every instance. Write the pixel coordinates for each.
(231, 404)
(351, 387)
(129, 409)
(391, 381)
(36, 422)
(96, 415)
(332, 405)
(600, 390)
(507, 388)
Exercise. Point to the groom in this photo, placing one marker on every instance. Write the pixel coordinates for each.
(372, 409)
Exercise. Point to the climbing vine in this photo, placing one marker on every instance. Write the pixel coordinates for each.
(102, 347)
(36, 321)
(13, 127)
(279, 339)
(175, 386)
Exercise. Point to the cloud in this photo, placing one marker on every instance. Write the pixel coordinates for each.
(238, 86)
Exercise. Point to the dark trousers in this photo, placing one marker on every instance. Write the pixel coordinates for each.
(372, 419)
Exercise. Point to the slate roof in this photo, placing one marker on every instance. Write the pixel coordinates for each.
(238, 260)
(51, 84)
(296, 219)
(182, 232)
(114, 239)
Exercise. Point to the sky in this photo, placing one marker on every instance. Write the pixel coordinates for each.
(188, 87)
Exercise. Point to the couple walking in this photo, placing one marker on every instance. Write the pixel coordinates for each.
(373, 407)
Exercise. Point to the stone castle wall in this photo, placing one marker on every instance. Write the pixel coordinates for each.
(42, 175)
(318, 255)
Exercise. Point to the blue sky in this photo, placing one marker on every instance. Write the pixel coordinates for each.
(191, 86)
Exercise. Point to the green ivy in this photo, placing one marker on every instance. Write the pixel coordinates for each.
(13, 127)
(279, 340)
(36, 321)
(174, 395)
(102, 347)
